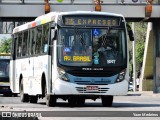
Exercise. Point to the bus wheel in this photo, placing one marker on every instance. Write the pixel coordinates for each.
(107, 101)
(23, 97)
(33, 99)
(50, 99)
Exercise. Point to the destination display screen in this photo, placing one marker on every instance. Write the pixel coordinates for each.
(77, 58)
(91, 20)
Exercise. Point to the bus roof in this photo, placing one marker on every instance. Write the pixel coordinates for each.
(52, 16)
(90, 12)
(38, 21)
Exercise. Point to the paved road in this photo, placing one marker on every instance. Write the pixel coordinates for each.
(129, 104)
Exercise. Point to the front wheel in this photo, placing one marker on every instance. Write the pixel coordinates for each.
(107, 101)
(23, 97)
(50, 99)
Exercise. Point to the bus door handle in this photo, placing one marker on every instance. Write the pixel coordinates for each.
(29, 61)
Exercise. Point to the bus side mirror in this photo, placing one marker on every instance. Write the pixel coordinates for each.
(13, 46)
(130, 32)
(53, 34)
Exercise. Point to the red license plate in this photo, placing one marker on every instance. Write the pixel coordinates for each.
(92, 88)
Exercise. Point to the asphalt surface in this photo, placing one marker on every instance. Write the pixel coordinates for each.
(134, 106)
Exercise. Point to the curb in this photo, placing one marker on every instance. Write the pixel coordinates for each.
(143, 93)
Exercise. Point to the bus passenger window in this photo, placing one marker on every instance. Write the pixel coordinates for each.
(19, 45)
(28, 44)
(32, 42)
(24, 46)
(38, 39)
(45, 38)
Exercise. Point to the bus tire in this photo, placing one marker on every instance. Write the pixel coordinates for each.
(23, 97)
(107, 101)
(50, 99)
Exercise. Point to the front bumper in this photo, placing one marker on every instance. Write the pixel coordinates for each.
(61, 87)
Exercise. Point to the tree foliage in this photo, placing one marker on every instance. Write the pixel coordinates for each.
(140, 36)
(5, 45)
(139, 53)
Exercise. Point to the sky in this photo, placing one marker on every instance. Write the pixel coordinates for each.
(5, 36)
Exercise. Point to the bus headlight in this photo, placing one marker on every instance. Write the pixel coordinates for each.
(63, 75)
(121, 76)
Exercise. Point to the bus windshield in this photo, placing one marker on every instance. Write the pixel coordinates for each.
(92, 47)
(4, 68)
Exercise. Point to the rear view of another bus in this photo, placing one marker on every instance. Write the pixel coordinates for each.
(4, 74)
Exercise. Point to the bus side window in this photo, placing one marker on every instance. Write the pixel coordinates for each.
(19, 45)
(28, 44)
(45, 38)
(32, 48)
(38, 39)
(24, 46)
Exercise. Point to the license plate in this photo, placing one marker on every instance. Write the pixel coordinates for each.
(92, 88)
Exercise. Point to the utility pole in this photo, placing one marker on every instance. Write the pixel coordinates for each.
(134, 58)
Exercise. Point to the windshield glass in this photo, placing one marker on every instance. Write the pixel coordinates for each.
(96, 47)
(4, 68)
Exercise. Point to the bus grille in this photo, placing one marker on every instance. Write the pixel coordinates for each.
(92, 73)
(90, 82)
(83, 90)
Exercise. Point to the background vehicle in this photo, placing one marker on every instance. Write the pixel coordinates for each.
(4, 74)
(71, 55)
(130, 86)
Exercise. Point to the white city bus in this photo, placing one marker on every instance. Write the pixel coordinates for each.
(71, 55)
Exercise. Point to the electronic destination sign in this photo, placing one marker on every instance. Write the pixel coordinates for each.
(91, 20)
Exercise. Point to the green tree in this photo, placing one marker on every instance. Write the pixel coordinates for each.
(139, 53)
(140, 36)
(5, 45)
